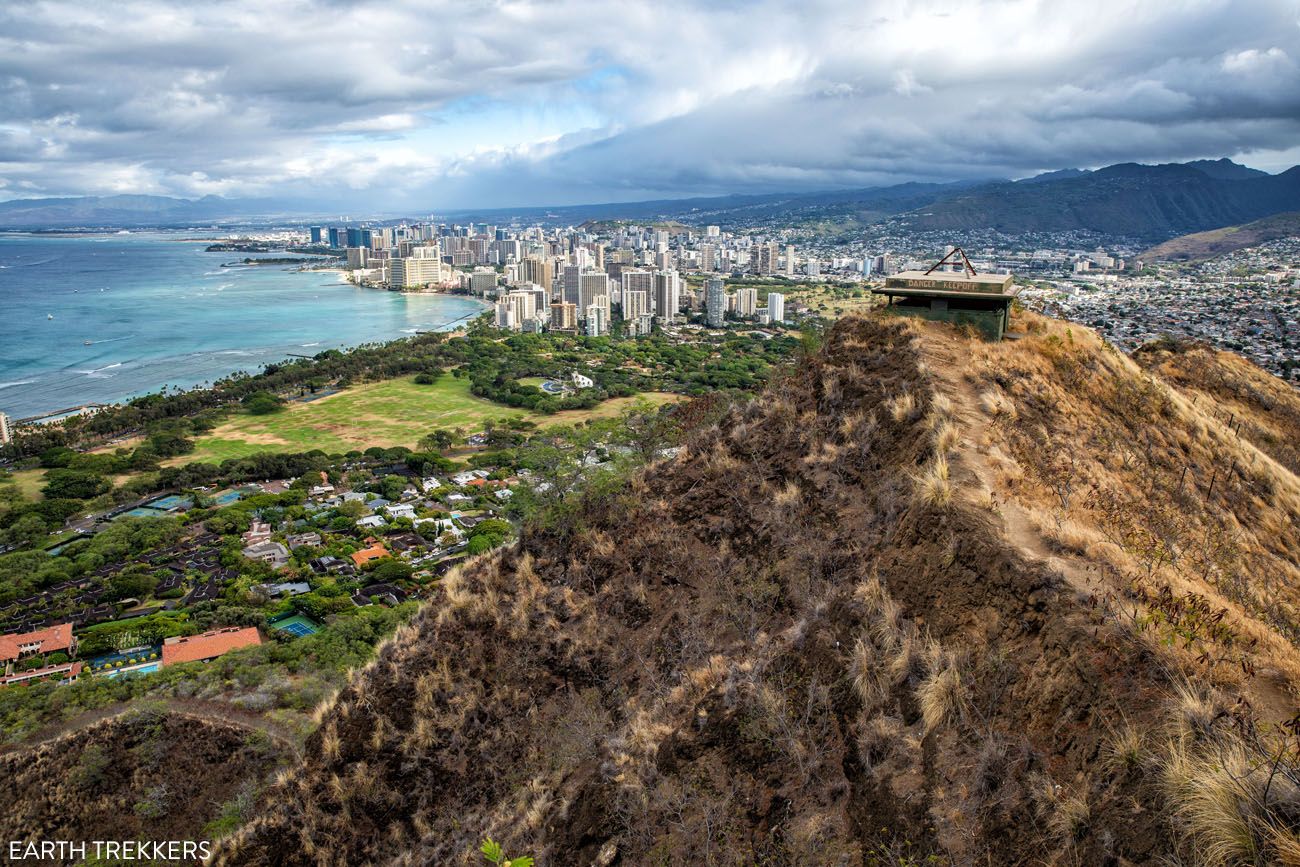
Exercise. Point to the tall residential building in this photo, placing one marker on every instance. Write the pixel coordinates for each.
(482, 282)
(592, 284)
(789, 260)
(516, 309)
(358, 257)
(539, 271)
(715, 302)
(712, 232)
(597, 320)
(636, 303)
(763, 258)
(6, 432)
(776, 306)
(572, 283)
(668, 295)
(638, 280)
(505, 316)
(564, 317)
(746, 302)
(708, 257)
(412, 273)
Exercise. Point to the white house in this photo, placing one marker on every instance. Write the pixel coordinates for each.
(440, 525)
(580, 381)
(400, 510)
(371, 522)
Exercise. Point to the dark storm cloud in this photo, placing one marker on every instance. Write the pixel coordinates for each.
(406, 104)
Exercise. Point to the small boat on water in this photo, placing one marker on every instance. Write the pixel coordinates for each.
(49, 315)
(90, 343)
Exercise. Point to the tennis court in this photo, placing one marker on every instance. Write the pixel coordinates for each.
(297, 626)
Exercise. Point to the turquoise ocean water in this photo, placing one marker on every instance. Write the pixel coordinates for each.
(132, 313)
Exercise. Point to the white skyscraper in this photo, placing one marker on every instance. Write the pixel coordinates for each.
(598, 319)
(668, 295)
(776, 306)
(746, 302)
(789, 260)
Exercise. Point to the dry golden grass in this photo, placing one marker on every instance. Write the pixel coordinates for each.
(902, 408)
(995, 402)
(942, 695)
(932, 484)
(1125, 748)
(946, 437)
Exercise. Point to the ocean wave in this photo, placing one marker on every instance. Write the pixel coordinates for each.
(98, 373)
(16, 382)
(305, 345)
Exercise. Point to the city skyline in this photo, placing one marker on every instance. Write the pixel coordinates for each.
(405, 106)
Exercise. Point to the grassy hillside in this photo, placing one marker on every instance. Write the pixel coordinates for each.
(389, 413)
(928, 598)
(1216, 242)
(150, 774)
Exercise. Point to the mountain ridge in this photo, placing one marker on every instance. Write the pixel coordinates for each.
(916, 600)
(1153, 202)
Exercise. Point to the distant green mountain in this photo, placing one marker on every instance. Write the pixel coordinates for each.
(1146, 202)
(1216, 242)
(1149, 202)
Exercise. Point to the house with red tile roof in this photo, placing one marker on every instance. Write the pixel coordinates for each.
(51, 639)
(208, 645)
(374, 552)
(66, 672)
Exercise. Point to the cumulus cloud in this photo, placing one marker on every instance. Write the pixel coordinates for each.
(402, 104)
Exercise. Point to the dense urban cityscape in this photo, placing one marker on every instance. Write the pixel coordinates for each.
(627, 279)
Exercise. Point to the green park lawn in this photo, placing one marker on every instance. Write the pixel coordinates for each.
(396, 412)
(29, 483)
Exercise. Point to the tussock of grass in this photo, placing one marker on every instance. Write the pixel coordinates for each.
(946, 437)
(1124, 747)
(902, 408)
(932, 484)
(995, 402)
(942, 695)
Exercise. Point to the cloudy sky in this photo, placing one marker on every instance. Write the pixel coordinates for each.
(398, 105)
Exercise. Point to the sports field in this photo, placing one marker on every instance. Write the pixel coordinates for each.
(396, 412)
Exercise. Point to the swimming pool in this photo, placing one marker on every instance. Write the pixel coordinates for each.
(149, 668)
